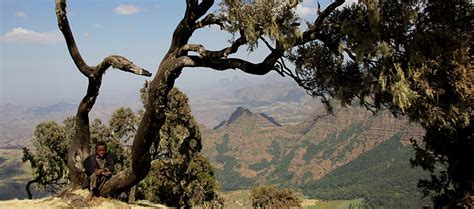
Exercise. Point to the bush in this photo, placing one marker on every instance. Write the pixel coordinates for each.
(270, 196)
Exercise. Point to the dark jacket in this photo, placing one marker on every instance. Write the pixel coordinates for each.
(90, 164)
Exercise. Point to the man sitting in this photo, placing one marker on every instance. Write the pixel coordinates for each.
(99, 168)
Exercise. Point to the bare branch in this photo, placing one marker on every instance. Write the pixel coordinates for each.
(222, 63)
(192, 4)
(267, 44)
(311, 33)
(194, 11)
(204, 6)
(193, 48)
(114, 60)
(120, 63)
(63, 24)
(203, 52)
(27, 187)
(184, 30)
(369, 106)
(285, 71)
(210, 19)
(79, 147)
(227, 63)
(191, 7)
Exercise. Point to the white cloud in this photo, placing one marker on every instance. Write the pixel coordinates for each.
(97, 25)
(21, 35)
(304, 11)
(127, 10)
(21, 15)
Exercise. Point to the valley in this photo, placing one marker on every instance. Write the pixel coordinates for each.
(271, 133)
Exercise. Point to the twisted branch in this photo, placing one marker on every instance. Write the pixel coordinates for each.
(210, 19)
(203, 52)
(79, 148)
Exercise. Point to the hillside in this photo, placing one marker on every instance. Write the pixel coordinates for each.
(271, 133)
(254, 150)
(283, 101)
(381, 175)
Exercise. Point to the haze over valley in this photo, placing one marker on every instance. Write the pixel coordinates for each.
(267, 132)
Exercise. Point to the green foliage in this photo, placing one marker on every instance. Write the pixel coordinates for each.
(281, 174)
(179, 185)
(48, 162)
(311, 150)
(262, 18)
(51, 141)
(383, 177)
(123, 124)
(224, 146)
(180, 176)
(391, 62)
(270, 196)
(413, 57)
(232, 180)
(260, 165)
(274, 150)
(331, 141)
(451, 182)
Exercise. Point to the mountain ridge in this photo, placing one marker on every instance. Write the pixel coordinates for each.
(242, 113)
(300, 153)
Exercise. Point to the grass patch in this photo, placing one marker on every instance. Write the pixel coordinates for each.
(333, 204)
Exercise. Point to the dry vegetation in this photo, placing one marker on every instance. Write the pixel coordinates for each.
(75, 199)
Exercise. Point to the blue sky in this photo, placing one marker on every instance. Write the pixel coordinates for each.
(37, 69)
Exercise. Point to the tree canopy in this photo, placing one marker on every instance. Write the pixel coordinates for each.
(417, 64)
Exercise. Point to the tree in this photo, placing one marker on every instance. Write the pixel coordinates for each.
(180, 175)
(270, 196)
(175, 60)
(411, 56)
(418, 64)
(48, 163)
(182, 185)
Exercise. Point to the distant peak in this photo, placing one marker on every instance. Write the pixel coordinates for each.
(270, 119)
(240, 111)
(247, 114)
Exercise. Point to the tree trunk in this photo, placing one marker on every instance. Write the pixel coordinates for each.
(77, 153)
(80, 148)
(28, 191)
(149, 128)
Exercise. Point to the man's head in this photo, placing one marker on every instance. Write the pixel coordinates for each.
(101, 149)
